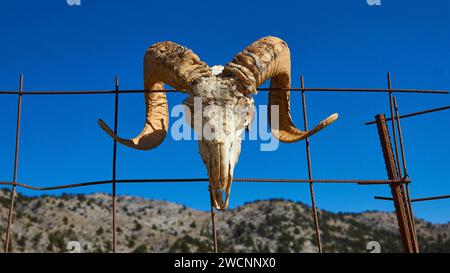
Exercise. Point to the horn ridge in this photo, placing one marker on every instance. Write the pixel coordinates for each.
(269, 59)
(164, 63)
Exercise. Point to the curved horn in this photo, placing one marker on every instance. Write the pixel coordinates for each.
(168, 63)
(269, 58)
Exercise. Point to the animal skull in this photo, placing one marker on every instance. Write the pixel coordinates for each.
(220, 100)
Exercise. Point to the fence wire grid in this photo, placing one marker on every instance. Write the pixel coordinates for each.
(402, 179)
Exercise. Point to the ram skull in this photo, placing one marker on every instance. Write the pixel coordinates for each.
(224, 95)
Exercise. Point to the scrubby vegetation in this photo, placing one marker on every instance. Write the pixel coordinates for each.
(48, 223)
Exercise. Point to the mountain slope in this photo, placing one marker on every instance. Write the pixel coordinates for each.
(48, 223)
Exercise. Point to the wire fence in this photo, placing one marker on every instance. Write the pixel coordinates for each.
(395, 182)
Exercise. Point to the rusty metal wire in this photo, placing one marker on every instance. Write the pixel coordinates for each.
(414, 114)
(308, 164)
(114, 165)
(190, 180)
(16, 166)
(439, 197)
(213, 223)
(134, 91)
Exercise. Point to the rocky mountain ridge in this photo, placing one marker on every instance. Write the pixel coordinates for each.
(49, 223)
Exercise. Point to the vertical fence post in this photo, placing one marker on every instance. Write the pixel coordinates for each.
(16, 165)
(394, 133)
(397, 160)
(114, 165)
(213, 224)
(396, 188)
(308, 157)
(405, 172)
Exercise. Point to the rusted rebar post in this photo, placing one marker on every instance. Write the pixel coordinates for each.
(400, 136)
(16, 165)
(397, 159)
(213, 225)
(396, 188)
(308, 159)
(114, 166)
(405, 171)
(394, 133)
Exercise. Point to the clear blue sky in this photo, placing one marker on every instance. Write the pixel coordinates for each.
(333, 43)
